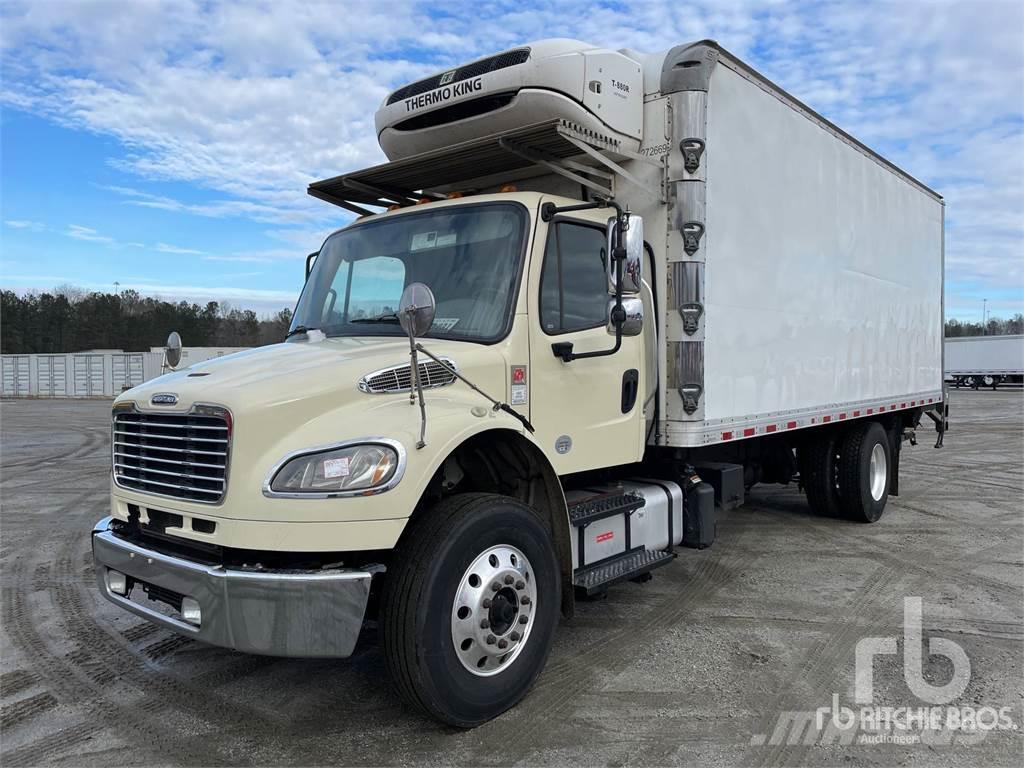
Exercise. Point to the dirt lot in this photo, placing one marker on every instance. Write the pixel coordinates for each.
(699, 666)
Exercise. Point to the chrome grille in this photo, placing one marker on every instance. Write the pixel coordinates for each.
(399, 377)
(183, 456)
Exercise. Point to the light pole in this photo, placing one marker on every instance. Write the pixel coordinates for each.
(984, 317)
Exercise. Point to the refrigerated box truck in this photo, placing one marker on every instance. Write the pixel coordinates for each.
(593, 297)
(985, 361)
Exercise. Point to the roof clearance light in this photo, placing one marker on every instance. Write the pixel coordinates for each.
(394, 207)
(509, 188)
(454, 195)
(423, 200)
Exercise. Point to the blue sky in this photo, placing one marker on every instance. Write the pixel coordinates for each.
(166, 146)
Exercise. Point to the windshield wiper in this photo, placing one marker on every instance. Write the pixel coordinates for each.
(298, 330)
(389, 318)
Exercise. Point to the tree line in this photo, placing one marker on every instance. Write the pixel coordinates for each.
(994, 327)
(72, 320)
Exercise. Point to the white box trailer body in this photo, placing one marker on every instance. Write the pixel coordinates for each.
(999, 358)
(813, 283)
(822, 268)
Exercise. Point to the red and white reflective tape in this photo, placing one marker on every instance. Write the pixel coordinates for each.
(820, 418)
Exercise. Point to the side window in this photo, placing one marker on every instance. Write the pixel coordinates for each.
(573, 287)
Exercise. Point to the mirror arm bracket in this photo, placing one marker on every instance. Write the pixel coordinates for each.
(548, 211)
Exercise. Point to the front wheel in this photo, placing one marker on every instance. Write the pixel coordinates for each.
(470, 608)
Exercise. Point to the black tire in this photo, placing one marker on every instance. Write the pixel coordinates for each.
(818, 467)
(857, 499)
(417, 604)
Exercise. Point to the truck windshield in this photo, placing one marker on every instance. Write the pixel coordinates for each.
(469, 255)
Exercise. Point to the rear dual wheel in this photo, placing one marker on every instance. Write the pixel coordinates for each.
(847, 474)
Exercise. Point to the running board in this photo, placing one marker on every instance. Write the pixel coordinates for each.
(605, 505)
(596, 578)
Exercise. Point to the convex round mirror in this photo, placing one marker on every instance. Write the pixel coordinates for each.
(172, 351)
(416, 309)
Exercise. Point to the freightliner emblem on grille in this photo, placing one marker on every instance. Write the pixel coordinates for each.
(164, 398)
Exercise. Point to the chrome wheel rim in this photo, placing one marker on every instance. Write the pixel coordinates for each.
(878, 472)
(494, 608)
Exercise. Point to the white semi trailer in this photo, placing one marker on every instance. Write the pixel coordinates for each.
(985, 361)
(591, 291)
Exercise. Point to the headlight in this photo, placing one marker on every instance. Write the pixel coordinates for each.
(366, 467)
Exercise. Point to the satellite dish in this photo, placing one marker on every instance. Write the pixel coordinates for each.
(172, 351)
(416, 309)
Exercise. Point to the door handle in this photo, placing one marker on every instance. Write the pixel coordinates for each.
(630, 389)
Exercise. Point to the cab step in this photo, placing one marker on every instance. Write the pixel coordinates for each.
(596, 578)
(595, 508)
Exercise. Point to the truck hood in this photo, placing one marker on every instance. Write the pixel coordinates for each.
(314, 377)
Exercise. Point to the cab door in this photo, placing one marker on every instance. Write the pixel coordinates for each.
(587, 413)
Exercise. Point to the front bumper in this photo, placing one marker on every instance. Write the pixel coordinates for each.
(275, 613)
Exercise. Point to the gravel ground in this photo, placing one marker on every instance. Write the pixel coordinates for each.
(699, 666)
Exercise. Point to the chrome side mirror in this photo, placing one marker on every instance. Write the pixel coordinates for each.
(172, 350)
(416, 309)
(633, 325)
(632, 265)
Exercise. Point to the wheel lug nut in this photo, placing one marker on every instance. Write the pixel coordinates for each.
(491, 639)
(487, 602)
(523, 619)
(525, 600)
(503, 643)
(495, 587)
(509, 579)
(520, 584)
(484, 624)
(514, 637)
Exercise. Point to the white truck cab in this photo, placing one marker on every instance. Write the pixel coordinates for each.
(593, 297)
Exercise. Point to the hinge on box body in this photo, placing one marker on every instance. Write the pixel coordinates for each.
(692, 149)
(692, 233)
(691, 314)
(691, 394)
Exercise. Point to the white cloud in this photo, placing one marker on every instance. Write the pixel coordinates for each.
(87, 234)
(253, 101)
(166, 248)
(31, 226)
(244, 259)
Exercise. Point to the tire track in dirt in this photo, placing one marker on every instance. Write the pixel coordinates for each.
(825, 666)
(16, 681)
(87, 675)
(12, 714)
(556, 693)
(832, 653)
(72, 684)
(83, 448)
